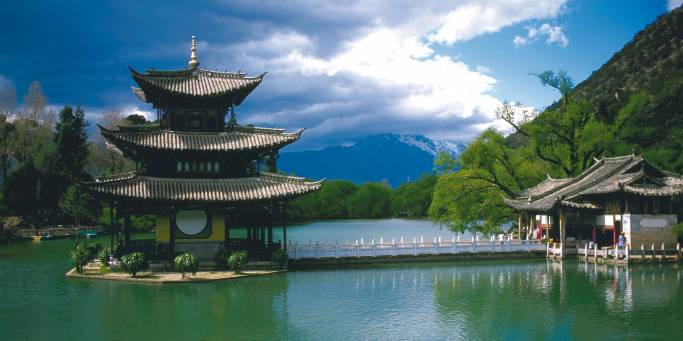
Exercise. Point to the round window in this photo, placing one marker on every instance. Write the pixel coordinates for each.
(191, 222)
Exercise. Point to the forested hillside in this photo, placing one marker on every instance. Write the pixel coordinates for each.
(641, 89)
(632, 104)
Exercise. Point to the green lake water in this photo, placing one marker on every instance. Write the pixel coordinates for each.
(514, 300)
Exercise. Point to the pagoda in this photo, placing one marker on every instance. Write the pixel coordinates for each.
(201, 177)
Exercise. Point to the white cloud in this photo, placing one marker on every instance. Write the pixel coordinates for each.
(673, 4)
(382, 73)
(552, 34)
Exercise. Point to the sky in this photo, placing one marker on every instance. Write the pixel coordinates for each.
(342, 69)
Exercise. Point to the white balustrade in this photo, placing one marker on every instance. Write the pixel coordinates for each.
(437, 246)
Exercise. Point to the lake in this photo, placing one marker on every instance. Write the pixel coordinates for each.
(516, 300)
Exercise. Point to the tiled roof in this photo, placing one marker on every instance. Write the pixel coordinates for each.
(238, 138)
(630, 174)
(195, 83)
(266, 186)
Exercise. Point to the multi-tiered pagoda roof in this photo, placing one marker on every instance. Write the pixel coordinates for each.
(191, 154)
(265, 186)
(236, 139)
(227, 87)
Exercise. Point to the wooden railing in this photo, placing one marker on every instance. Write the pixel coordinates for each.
(437, 246)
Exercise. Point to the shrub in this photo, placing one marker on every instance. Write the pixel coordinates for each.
(81, 256)
(134, 262)
(186, 262)
(237, 261)
(103, 256)
(280, 257)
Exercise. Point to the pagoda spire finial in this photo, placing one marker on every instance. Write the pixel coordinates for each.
(193, 63)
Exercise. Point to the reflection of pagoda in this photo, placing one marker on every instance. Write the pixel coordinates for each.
(199, 176)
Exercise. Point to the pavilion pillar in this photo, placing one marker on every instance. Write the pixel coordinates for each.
(111, 227)
(595, 234)
(262, 229)
(270, 229)
(226, 226)
(621, 213)
(562, 215)
(116, 225)
(519, 224)
(284, 226)
(171, 233)
(126, 227)
(532, 225)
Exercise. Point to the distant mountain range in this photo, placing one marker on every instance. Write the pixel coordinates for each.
(389, 157)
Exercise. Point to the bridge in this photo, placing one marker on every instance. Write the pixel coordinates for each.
(395, 248)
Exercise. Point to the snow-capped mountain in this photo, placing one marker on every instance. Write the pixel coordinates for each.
(388, 157)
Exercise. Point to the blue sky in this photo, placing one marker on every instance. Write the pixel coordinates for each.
(344, 70)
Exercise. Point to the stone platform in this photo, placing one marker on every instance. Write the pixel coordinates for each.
(167, 277)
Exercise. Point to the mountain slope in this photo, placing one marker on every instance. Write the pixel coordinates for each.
(641, 89)
(392, 158)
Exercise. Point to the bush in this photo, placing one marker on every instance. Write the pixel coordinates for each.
(237, 261)
(81, 255)
(186, 262)
(103, 256)
(134, 262)
(280, 257)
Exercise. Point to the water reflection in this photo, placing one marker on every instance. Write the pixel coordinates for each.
(525, 299)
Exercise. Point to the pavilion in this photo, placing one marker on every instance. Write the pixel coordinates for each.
(615, 195)
(200, 176)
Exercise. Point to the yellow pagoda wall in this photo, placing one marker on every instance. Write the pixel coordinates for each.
(163, 229)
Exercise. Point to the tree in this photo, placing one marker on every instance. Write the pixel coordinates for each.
(26, 139)
(568, 135)
(101, 160)
(136, 119)
(35, 103)
(412, 199)
(25, 195)
(76, 203)
(6, 128)
(8, 97)
(489, 169)
(372, 200)
(71, 139)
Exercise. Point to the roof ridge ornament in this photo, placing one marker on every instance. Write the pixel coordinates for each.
(193, 63)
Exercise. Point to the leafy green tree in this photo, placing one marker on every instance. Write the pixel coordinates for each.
(330, 202)
(77, 204)
(27, 138)
(567, 136)
(372, 200)
(26, 192)
(135, 119)
(489, 169)
(412, 199)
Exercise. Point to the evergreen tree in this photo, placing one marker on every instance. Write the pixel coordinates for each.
(71, 139)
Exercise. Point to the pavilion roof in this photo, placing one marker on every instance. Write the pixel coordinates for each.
(630, 174)
(158, 86)
(266, 186)
(237, 138)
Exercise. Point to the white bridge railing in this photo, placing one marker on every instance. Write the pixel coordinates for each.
(415, 247)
